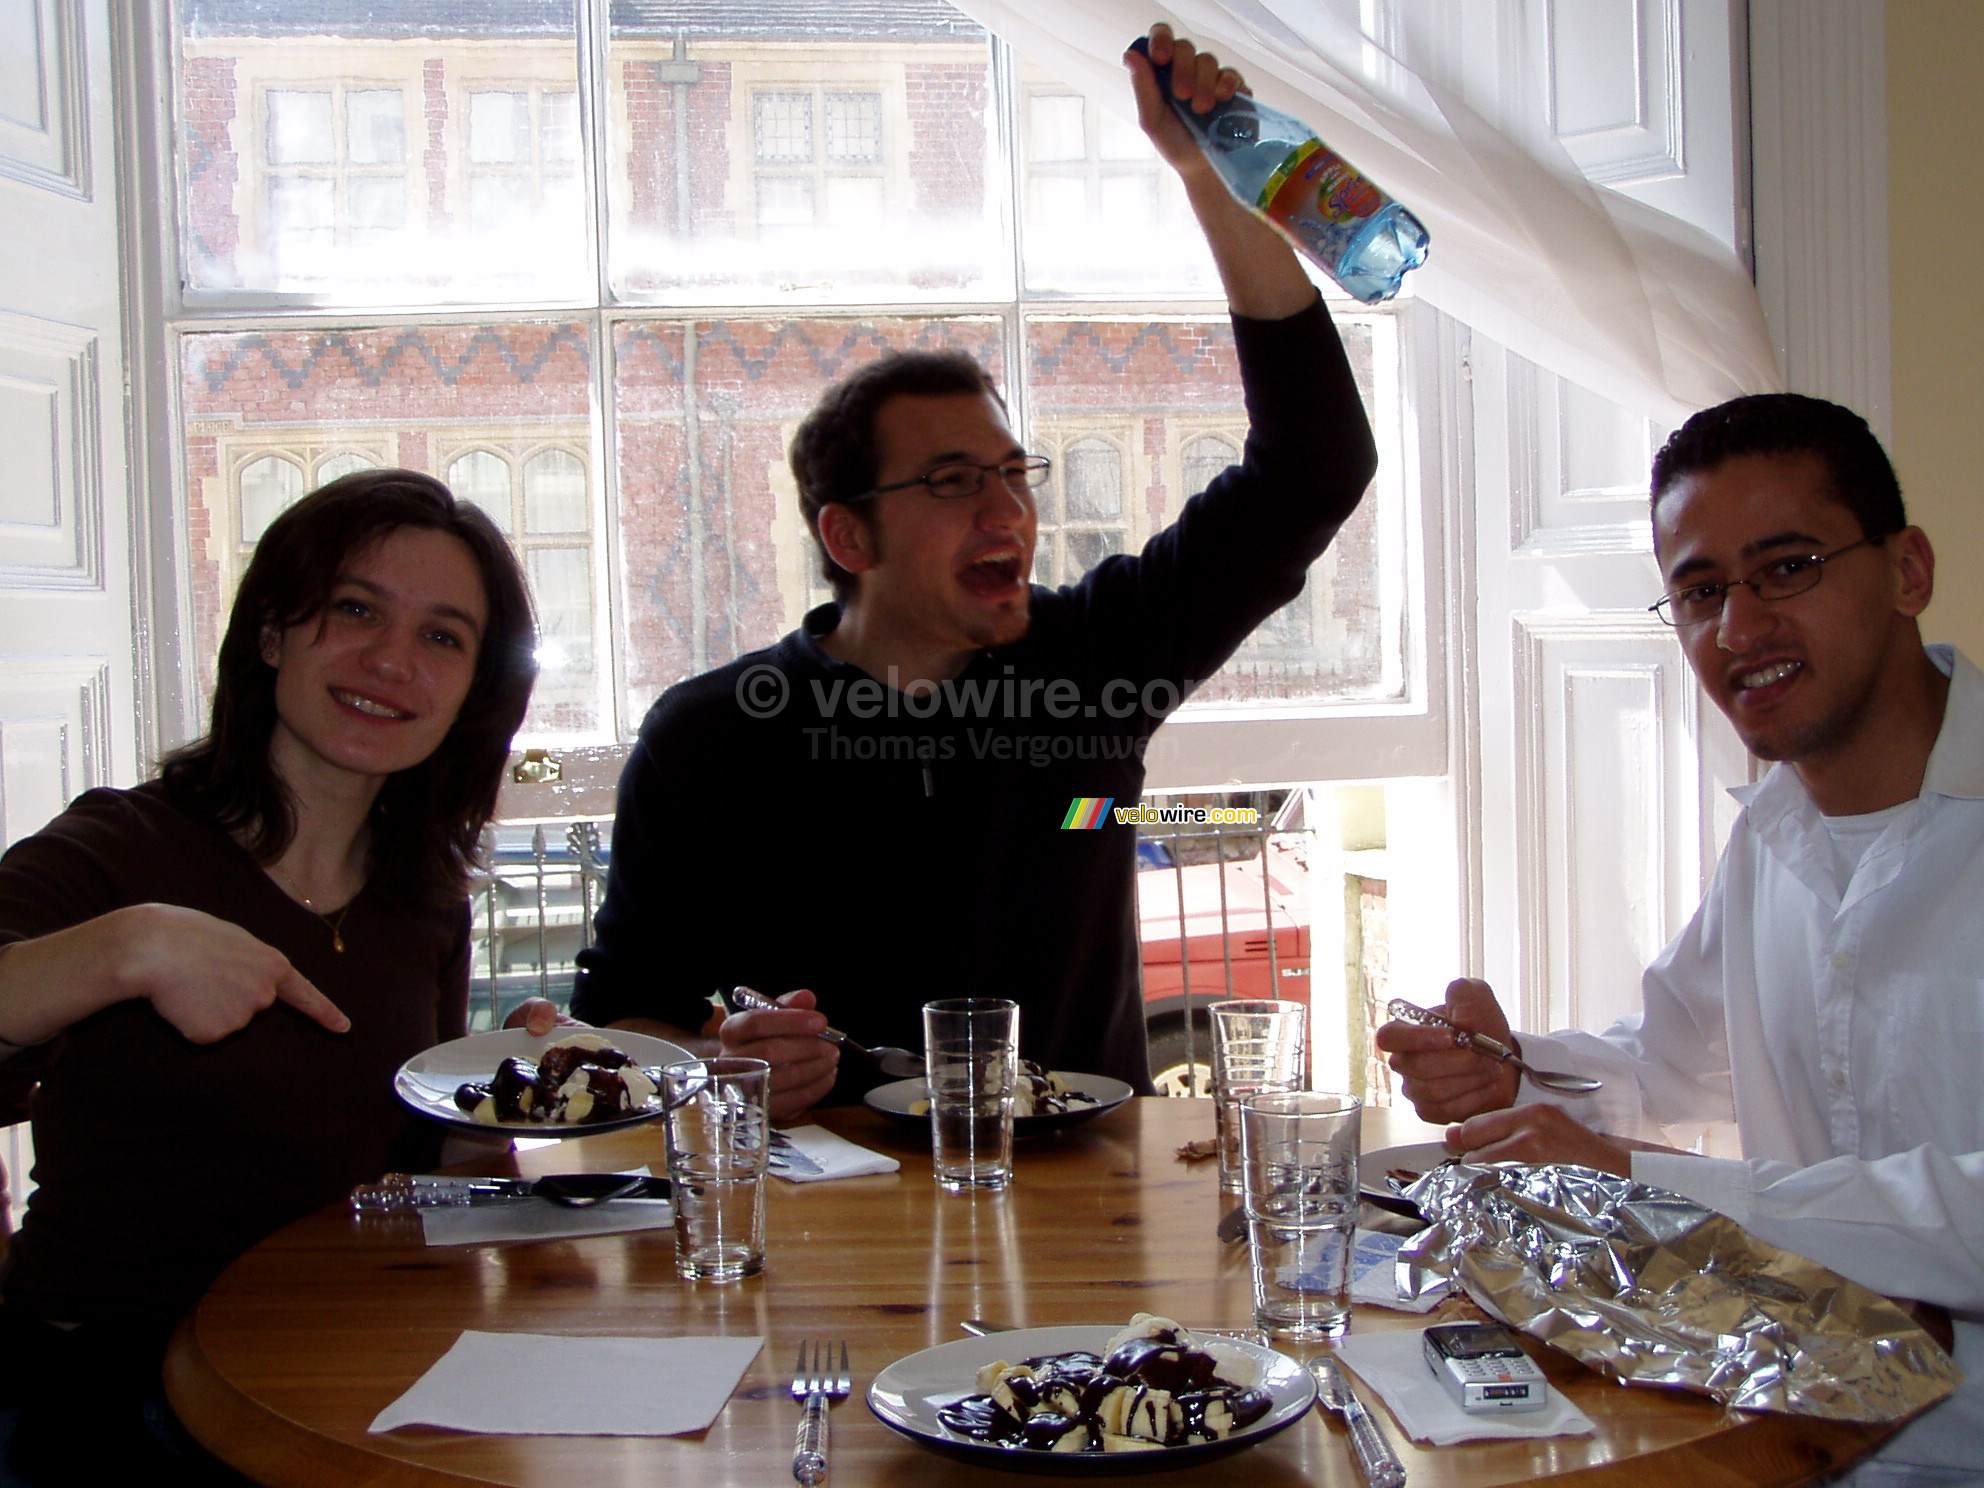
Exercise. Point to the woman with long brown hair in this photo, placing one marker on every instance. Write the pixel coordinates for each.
(216, 974)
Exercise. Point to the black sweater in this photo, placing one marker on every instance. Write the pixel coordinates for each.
(769, 835)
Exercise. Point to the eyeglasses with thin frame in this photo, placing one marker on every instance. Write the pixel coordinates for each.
(961, 479)
(1781, 578)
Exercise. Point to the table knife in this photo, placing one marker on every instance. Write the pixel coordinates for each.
(1375, 1456)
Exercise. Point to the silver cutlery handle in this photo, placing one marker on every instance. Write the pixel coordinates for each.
(1382, 1469)
(1408, 1012)
(745, 997)
(809, 1454)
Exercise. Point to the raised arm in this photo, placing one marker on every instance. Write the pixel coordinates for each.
(1262, 277)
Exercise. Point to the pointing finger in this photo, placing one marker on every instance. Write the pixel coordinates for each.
(294, 988)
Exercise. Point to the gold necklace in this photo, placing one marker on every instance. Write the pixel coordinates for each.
(336, 925)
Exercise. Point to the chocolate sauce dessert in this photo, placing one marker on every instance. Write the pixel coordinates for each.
(1041, 1092)
(579, 1080)
(1153, 1387)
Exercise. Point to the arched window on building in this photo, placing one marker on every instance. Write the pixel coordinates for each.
(484, 478)
(343, 463)
(555, 493)
(269, 486)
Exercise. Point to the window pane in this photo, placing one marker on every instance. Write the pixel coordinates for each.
(1092, 470)
(498, 202)
(1112, 222)
(854, 127)
(1128, 202)
(555, 493)
(1168, 390)
(784, 128)
(377, 205)
(358, 188)
(785, 201)
(302, 211)
(787, 152)
(853, 200)
(1117, 138)
(1054, 127)
(498, 127)
(300, 128)
(561, 589)
(375, 127)
(483, 478)
(341, 465)
(1204, 458)
(1087, 547)
(720, 562)
(561, 128)
(466, 403)
(269, 486)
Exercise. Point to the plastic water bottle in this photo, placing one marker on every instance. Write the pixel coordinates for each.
(1342, 223)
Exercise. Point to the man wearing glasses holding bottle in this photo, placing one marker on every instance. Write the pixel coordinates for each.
(869, 815)
(1828, 997)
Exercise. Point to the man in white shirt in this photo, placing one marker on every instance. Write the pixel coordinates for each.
(1828, 996)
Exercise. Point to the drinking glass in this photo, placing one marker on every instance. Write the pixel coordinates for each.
(971, 1052)
(1300, 1167)
(719, 1144)
(1258, 1046)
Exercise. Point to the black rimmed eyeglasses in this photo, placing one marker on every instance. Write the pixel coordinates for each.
(1781, 578)
(961, 479)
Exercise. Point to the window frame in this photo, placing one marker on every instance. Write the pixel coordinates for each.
(1205, 746)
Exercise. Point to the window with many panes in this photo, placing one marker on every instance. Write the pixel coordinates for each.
(613, 307)
(334, 170)
(522, 157)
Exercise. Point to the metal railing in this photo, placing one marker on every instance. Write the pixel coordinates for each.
(534, 912)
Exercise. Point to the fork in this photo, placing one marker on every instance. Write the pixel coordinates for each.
(816, 1389)
(1407, 1012)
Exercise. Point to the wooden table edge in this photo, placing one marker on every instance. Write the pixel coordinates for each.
(266, 1446)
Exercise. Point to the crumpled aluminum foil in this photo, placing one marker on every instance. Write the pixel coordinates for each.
(1656, 1289)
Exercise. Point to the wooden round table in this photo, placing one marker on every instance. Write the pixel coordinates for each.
(282, 1367)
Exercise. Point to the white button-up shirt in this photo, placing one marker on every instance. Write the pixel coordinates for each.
(1843, 1035)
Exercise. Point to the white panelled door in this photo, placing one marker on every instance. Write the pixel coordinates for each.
(1601, 770)
(67, 696)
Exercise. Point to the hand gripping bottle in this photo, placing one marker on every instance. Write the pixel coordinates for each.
(1342, 223)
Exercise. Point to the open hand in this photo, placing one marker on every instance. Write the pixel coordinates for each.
(1446, 1081)
(1538, 1134)
(787, 1038)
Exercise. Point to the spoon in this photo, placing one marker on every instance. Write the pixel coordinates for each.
(1557, 1080)
(897, 1064)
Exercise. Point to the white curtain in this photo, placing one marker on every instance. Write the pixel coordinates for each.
(1637, 305)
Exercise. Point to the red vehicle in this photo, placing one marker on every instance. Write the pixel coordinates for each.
(1253, 943)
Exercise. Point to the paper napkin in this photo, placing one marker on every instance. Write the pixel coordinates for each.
(837, 1157)
(1394, 1364)
(534, 1384)
(1374, 1274)
(540, 1219)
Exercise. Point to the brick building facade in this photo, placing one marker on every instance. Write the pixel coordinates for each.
(792, 189)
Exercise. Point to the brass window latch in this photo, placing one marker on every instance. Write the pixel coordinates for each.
(538, 767)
